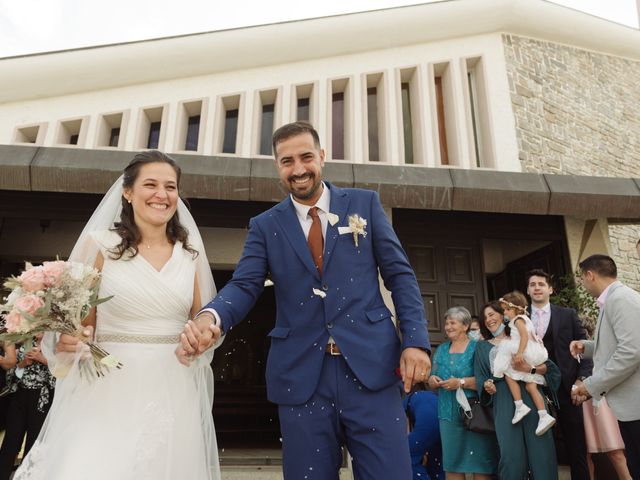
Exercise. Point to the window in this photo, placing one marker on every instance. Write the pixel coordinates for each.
(340, 119)
(70, 132)
(445, 116)
(337, 125)
(154, 135)
(375, 117)
(30, 134)
(230, 131)
(188, 126)
(303, 103)
(265, 121)
(411, 108)
(372, 124)
(151, 128)
(227, 138)
(266, 128)
(478, 114)
(303, 109)
(442, 129)
(193, 129)
(407, 124)
(114, 137)
(474, 116)
(109, 128)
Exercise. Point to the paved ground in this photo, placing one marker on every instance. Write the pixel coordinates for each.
(266, 464)
(275, 473)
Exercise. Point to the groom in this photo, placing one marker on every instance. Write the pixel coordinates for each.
(334, 349)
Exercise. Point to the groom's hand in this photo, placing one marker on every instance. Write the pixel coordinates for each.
(209, 333)
(415, 366)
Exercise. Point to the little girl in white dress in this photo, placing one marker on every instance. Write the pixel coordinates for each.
(522, 344)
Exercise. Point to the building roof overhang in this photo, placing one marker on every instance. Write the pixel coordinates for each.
(95, 68)
(71, 170)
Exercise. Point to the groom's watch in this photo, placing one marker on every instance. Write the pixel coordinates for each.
(533, 371)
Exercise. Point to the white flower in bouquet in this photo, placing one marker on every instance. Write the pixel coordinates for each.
(57, 297)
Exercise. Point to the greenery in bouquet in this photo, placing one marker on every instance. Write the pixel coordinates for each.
(53, 297)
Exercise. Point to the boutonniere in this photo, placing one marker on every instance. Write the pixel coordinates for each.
(332, 218)
(357, 225)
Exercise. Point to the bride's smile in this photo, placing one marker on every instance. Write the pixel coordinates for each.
(154, 195)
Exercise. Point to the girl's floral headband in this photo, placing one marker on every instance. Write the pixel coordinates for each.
(512, 305)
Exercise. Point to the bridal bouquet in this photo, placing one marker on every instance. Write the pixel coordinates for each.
(56, 297)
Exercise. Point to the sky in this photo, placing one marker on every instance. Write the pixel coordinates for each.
(32, 26)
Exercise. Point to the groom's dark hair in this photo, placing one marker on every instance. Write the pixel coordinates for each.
(127, 228)
(293, 129)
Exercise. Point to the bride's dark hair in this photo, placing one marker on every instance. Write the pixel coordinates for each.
(127, 228)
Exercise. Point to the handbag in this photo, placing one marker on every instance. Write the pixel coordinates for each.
(479, 419)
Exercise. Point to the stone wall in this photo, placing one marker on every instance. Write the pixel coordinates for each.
(623, 251)
(578, 112)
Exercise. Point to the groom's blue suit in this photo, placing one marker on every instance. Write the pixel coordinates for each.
(351, 310)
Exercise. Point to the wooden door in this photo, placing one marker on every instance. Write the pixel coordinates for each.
(448, 268)
(445, 250)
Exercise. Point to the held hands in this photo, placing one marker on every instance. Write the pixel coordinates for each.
(434, 382)
(450, 384)
(415, 366)
(197, 337)
(579, 393)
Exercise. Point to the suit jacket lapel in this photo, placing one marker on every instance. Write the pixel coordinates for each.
(339, 206)
(290, 224)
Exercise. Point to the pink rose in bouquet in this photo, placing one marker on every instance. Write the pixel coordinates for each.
(29, 303)
(13, 320)
(53, 272)
(33, 279)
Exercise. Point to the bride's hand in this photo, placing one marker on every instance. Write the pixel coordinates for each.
(69, 343)
(196, 339)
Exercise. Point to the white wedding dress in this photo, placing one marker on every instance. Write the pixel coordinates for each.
(150, 420)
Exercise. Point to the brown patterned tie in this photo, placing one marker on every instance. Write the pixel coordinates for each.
(315, 240)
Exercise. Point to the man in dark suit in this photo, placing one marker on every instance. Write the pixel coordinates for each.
(558, 326)
(334, 349)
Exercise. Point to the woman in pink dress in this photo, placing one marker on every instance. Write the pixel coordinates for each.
(602, 435)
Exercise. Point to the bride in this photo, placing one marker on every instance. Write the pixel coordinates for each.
(152, 418)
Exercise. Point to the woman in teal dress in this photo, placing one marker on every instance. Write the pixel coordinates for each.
(522, 452)
(462, 451)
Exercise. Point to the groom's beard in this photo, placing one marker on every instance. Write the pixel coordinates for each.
(301, 194)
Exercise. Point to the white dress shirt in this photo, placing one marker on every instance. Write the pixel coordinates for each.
(544, 319)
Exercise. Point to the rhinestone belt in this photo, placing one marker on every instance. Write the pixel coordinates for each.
(122, 338)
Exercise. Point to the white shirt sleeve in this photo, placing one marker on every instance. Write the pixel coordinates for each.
(216, 318)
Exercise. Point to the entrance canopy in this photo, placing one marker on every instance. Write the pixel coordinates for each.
(42, 169)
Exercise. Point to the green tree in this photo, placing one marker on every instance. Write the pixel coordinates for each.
(570, 293)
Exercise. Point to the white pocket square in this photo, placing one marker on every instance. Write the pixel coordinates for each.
(343, 230)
